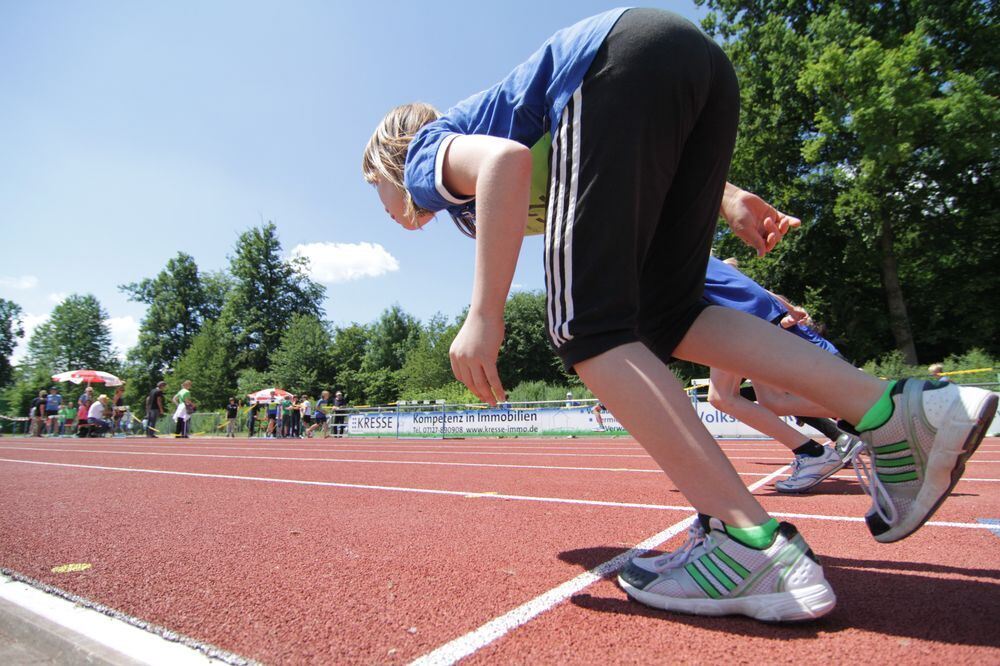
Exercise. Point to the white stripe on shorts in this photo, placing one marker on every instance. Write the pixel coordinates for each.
(565, 169)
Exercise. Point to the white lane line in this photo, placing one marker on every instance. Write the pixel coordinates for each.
(431, 463)
(129, 636)
(475, 640)
(475, 494)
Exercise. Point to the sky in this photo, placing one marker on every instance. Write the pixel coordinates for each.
(130, 131)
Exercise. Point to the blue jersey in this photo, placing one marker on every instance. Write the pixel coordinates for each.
(53, 402)
(522, 107)
(726, 286)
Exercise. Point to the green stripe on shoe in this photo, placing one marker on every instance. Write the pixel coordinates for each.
(719, 574)
(891, 448)
(895, 462)
(737, 568)
(703, 583)
(898, 478)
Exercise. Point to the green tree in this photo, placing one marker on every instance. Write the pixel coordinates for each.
(428, 365)
(347, 353)
(179, 299)
(75, 336)
(267, 292)
(877, 123)
(11, 330)
(208, 363)
(526, 354)
(302, 362)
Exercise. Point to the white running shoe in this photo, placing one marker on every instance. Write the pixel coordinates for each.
(807, 471)
(919, 455)
(713, 574)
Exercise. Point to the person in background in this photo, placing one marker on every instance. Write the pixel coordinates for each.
(598, 411)
(96, 416)
(67, 419)
(53, 403)
(125, 424)
(36, 414)
(181, 396)
(294, 417)
(285, 415)
(936, 371)
(154, 408)
(273, 415)
(182, 417)
(118, 404)
(232, 411)
(339, 404)
(319, 415)
(306, 408)
(252, 418)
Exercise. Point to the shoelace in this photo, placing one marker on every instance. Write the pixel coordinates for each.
(873, 486)
(695, 537)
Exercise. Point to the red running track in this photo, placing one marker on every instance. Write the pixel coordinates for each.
(383, 551)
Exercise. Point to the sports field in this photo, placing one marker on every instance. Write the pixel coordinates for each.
(491, 551)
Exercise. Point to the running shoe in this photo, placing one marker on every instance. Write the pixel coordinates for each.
(714, 574)
(848, 447)
(807, 471)
(919, 455)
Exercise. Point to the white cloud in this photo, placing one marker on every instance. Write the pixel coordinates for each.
(331, 263)
(57, 297)
(30, 323)
(124, 333)
(22, 282)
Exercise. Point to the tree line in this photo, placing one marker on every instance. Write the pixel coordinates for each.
(875, 122)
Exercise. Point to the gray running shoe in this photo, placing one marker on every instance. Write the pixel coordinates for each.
(807, 471)
(919, 455)
(714, 574)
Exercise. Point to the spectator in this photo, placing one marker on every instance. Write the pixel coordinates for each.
(936, 371)
(598, 411)
(67, 419)
(305, 407)
(36, 414)
(182, 416)
(118, 404)
(252, 418)
(154, 408)
(319, 415)
(181, 396)
(273, 415)
(294, 417)
(125, 425)
(53, 403)
(339, 403)
(95, 416)
(232, 411)
(285, 415)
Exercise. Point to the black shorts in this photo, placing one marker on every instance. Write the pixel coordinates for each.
(638, 167)
(50, 413)
(307, 418)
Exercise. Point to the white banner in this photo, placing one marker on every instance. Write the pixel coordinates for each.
(514, 421)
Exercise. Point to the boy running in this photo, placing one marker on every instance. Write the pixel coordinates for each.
(641, 110)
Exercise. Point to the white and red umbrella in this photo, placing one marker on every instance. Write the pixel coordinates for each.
(87, 377)
(264, 395)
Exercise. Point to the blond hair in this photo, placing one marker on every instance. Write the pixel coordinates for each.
(385, 154)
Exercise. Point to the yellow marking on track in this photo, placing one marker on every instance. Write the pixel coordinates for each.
(70, 568)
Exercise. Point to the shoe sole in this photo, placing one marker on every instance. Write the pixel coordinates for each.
(944, 468)
(802, 605)
(804, 489)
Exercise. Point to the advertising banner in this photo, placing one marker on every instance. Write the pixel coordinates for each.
(525, 422)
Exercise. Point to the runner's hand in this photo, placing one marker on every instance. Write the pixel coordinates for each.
(756, 222)
(474, 357)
